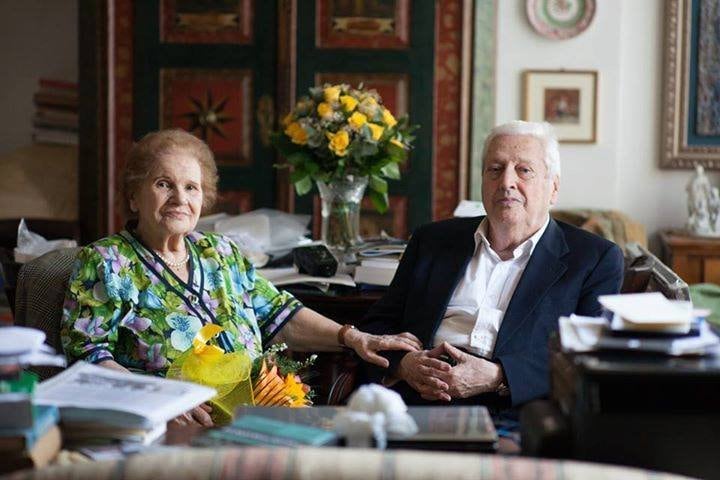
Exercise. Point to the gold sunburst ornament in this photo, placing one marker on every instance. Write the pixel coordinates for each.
(208, 117)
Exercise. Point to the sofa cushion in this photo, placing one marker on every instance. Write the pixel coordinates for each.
(332, 463)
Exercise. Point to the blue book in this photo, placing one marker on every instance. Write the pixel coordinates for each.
(17, 439)
(257, 430)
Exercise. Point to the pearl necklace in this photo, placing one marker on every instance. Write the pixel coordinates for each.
(177, 264)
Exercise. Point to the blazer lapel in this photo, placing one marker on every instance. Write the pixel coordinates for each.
(542, 271)
(446, 272)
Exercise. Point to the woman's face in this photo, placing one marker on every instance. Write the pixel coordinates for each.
(169, 201)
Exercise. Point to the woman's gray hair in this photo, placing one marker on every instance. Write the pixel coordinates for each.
(540, 130)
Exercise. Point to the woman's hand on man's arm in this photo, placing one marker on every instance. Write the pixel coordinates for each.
(367, 345)
(307, 330)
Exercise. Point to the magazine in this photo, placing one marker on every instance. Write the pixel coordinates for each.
(92, 394)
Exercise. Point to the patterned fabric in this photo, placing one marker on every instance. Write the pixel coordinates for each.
(332, 463)
(123, 303)
(41, 287)
(610, 224)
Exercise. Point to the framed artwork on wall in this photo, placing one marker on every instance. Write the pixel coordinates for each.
(691, 85)
(567, 99)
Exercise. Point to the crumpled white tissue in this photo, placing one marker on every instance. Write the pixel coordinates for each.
(374, 412)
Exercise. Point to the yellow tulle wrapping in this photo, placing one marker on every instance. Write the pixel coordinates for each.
(228, 373)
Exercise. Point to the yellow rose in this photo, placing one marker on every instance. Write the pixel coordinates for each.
(297, 133)
(339, 142)
(369, 107)
(388, 118)
(397, 143)
(331, 94)
(376, 130)
(325, 110)
(287, 119)
(349, 103)
(357, 120)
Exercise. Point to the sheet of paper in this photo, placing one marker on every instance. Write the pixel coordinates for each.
(646, 308)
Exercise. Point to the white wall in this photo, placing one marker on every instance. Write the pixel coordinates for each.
(620, 171)
(39, 39)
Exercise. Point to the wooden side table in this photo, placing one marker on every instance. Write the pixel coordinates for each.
(335, 373)
(694, 259)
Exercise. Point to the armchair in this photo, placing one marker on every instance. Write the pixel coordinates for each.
(41, 286)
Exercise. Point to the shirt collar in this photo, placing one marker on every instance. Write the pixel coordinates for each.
(527, 247)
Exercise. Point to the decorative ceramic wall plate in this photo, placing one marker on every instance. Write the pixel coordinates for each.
(560, 19)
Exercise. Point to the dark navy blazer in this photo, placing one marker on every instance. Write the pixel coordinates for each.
(566, 272)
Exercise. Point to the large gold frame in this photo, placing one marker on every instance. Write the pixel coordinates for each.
(675, 150)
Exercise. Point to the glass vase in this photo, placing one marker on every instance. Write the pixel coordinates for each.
(341, 212)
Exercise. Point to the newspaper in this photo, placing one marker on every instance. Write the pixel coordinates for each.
(92, 394)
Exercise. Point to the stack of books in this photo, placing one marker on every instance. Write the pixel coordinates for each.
(29, 435)
(378, 264)
(31, 444)
(644, 322)
(100, 405)
(56, 112)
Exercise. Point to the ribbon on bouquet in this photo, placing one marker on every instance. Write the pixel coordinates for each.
(208, 364)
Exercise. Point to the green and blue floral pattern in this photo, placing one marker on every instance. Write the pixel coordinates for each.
(123, 304)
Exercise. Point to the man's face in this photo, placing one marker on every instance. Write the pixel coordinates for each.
(516, 189)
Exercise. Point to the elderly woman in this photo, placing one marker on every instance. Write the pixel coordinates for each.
(136, 299)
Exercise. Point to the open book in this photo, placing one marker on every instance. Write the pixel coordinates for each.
(87, 393)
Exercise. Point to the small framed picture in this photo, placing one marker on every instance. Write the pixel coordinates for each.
(565, 98)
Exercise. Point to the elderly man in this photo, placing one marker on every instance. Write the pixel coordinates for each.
(483, 294)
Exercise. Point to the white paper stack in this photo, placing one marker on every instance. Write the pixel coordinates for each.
(23, 346)
(648, 312)
(643, 322)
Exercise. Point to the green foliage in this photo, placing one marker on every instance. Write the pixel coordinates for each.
(338, 131)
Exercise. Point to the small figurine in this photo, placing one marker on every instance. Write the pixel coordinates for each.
(703, 205)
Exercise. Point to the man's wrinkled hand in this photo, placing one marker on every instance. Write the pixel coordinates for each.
(471, 375)
(367, 345)
(422, 370)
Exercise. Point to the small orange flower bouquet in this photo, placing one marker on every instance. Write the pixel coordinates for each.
(271, 380)
(277, 383)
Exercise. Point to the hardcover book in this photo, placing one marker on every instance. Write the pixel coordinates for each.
(18, 439)
(452, 428)
(262, 430)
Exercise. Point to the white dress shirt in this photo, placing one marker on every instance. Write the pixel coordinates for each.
(477, 306)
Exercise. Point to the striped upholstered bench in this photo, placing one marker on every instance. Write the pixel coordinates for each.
(331, 463)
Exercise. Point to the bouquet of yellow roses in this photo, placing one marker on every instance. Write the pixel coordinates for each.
(339, 131)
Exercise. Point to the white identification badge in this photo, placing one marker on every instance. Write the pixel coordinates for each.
(484, 334)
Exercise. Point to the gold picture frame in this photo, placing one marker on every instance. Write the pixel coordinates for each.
(567, 99)
(684, 143)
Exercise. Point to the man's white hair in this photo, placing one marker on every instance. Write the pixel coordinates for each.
(540, 130)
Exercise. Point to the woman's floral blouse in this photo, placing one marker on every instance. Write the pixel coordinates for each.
(124, 304)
